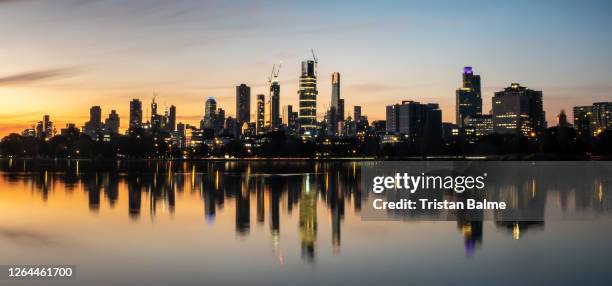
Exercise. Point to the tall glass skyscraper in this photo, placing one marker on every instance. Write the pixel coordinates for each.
(308, 97)
(336, 110)
(209, 113)
(468, 97)
(336, 101)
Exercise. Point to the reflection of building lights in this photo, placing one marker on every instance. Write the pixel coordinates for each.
(516, 231)
(217, 180)
(467, 230)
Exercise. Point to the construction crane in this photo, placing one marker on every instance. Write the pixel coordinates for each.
(274, 74)
(316, 61)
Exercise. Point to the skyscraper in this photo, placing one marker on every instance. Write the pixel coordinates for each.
(357, 113)
(112, 123)
(156, 119)
(308, 97)
(135, 114)
(93, 127)
(468, 97)
(420, 123)
(261, 105)
(219, 121)
(209, 114)
(171, 119)
(48, 127)
(582, 120)
(341, 110)
(243, 104)
(593, 119)
(290, 119)
(275, 120)
(518, 110)
(336, 110)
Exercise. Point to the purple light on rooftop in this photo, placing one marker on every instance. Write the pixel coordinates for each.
(467, 70)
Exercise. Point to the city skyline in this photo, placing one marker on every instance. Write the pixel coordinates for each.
(402, 63)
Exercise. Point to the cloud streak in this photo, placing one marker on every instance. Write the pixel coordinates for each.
(32, 77)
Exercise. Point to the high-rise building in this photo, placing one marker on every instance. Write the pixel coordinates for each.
(181, 135)
(392, 118)
(93, 127)
(336, 110)
(331, 120)
(156, 119)
(171, 119)
(40, 129)
(219, 121)
(341, 110)
(602, 114)
(209, 114)
(308, 98)
(582, 119)
(290, 119)
(468, 98)
(562, 119)
(48, 127)
(231, 126)
(287, 109)
(357, 113)
(135, 114)
(243, 104)
(112, 123)
(337, 102)
(593, 119)
(275, 119)
(419, 123)
(260, 116)
(518, 110)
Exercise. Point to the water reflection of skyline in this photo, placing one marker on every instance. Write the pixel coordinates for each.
(265, 188)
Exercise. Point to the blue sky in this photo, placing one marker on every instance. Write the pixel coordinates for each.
(83, 53)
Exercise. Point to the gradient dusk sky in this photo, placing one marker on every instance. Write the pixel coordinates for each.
(61, 57)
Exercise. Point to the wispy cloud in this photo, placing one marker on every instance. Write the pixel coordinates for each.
(36, 76)
(371, 87)
(27, 237)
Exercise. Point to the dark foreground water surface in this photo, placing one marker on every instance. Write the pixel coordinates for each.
(282, 222)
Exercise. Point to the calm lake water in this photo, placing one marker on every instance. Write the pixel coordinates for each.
(290, 222)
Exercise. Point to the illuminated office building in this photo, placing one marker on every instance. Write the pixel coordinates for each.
(593, 119)
(468, 97)
(261, 112)
(308, 98)
(518, 110)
